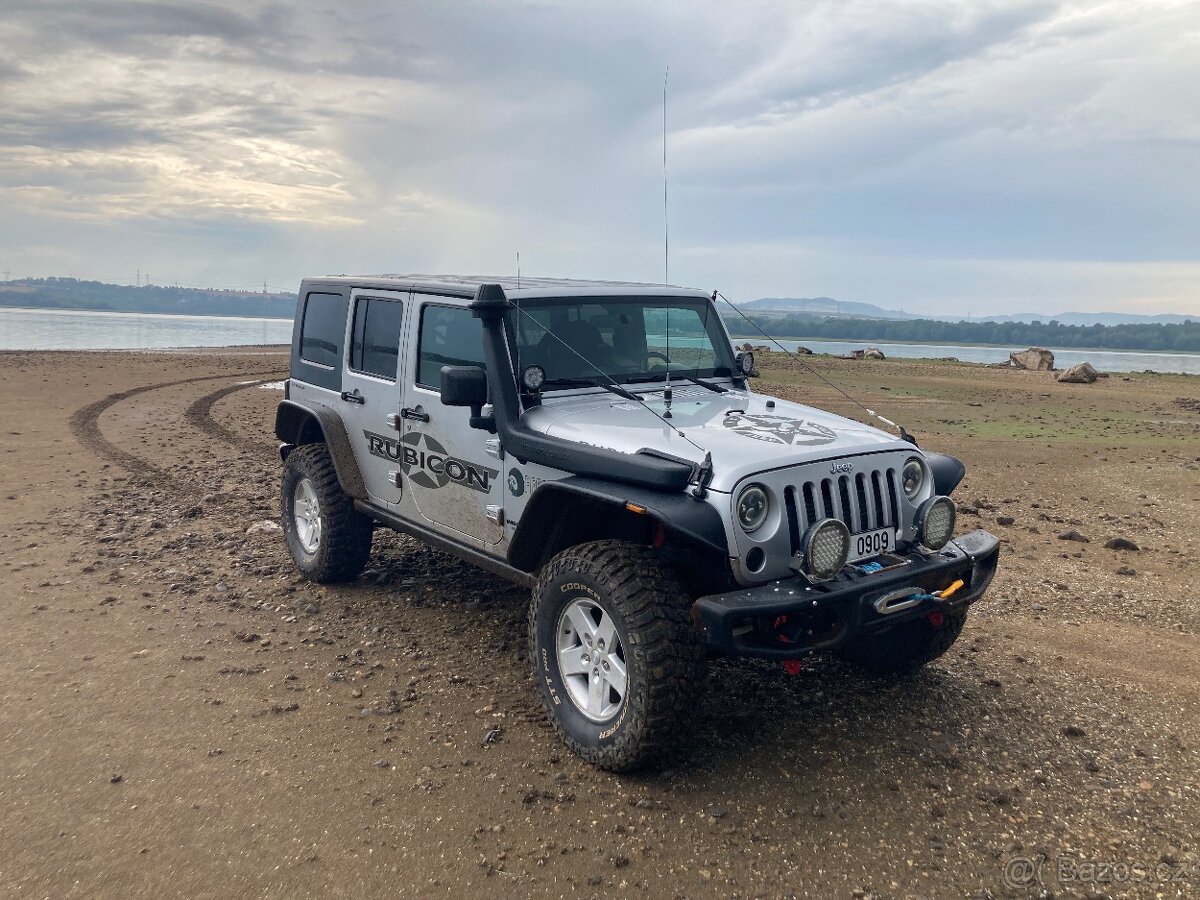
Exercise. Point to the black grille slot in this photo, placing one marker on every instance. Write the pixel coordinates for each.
(847, 515)
(810, 505)
(864, 511)
(827, 496)
(893, 497)
(794, 530)
(882, 519)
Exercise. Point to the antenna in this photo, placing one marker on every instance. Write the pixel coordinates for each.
(904, 435)
(518, 270)
(666, 218)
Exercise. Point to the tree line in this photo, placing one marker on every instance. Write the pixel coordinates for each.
(71, 293)
(1180, 338)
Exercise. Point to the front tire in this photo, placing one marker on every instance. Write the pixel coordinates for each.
(907, 646)
(615, 657)
(328, 539)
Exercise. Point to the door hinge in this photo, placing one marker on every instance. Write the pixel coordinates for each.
(396, 479)
(393, 420)
(492, 447)
(495, 514)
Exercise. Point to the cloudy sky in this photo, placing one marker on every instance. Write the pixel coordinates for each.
(936, 156)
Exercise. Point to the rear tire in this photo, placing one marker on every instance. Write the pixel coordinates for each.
(329, 540)
(616, 658)
(906, 646)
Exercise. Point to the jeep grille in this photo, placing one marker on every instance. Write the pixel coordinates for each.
(863, 500)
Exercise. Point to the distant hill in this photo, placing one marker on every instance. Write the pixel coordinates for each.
(71, 293)
(823, 307)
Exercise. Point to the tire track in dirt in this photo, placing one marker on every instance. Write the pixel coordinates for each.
(85, 425)
(199, 415)
(1161, 663)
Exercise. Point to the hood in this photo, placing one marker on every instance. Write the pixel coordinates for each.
(744, 435)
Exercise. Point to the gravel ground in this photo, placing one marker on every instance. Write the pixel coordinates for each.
(182, 716)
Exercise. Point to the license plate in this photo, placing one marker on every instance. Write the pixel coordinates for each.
(872, 543)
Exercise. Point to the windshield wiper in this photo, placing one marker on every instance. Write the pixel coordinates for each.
(644, 379)
(590, 382)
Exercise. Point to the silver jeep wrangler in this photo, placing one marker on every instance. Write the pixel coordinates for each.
(600, 444)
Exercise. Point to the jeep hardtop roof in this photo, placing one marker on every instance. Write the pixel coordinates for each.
(466, 285)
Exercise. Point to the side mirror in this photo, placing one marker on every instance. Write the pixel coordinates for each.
(467, 386)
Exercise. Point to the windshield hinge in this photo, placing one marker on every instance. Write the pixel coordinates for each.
(704, 477)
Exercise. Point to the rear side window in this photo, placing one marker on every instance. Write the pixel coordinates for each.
(322, 330)
(450, 336)
(375, 338)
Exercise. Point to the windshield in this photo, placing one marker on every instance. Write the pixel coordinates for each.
(629, 339)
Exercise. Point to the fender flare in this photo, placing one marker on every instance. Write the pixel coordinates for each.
(947, 471)
(679, 513)
(297, 424)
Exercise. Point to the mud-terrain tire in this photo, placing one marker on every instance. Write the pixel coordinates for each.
(626, 591)
(336, 543)
(906, 646)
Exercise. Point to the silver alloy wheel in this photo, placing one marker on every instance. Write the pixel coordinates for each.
(306, 515)
(591, 659)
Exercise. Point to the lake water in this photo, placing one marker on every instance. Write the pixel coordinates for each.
(54, 329)
(37, 329)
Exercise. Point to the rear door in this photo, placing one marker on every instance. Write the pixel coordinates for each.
(451, 469)
(370, 396)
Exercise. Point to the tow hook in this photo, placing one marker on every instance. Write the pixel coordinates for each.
(793, 666)
(906, 598)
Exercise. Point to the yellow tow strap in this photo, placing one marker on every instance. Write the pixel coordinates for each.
(947, 592)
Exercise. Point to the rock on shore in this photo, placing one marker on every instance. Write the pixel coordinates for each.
(1081, 373)
(1035, 358)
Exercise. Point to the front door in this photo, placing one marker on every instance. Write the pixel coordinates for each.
(451, 469)
(371, 376)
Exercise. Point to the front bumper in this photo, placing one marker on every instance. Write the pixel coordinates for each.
(790, 618)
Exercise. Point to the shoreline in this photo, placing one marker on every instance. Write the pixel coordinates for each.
(134, 312)
(866, 343)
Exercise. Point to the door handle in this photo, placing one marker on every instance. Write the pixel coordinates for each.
(414, 413)
(353, 396)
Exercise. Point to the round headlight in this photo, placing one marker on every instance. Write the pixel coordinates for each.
(826, 547)
(913, 478)
(533, 377)
(935, 522)
(746, 361)
(752, 507)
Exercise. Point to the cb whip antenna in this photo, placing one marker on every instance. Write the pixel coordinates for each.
(666, 219)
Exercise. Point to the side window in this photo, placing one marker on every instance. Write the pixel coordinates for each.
(450, 336)
(375, 338)
(322, 330)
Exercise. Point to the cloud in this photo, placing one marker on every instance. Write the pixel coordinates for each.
(901, 152)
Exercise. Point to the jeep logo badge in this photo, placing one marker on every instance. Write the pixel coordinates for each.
(840, 467)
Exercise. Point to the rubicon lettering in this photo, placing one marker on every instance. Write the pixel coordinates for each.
(426, 464)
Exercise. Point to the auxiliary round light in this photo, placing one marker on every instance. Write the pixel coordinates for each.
(752, 507)
(913, 477)
(826, 547)
(935, 522)
(533, 377)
